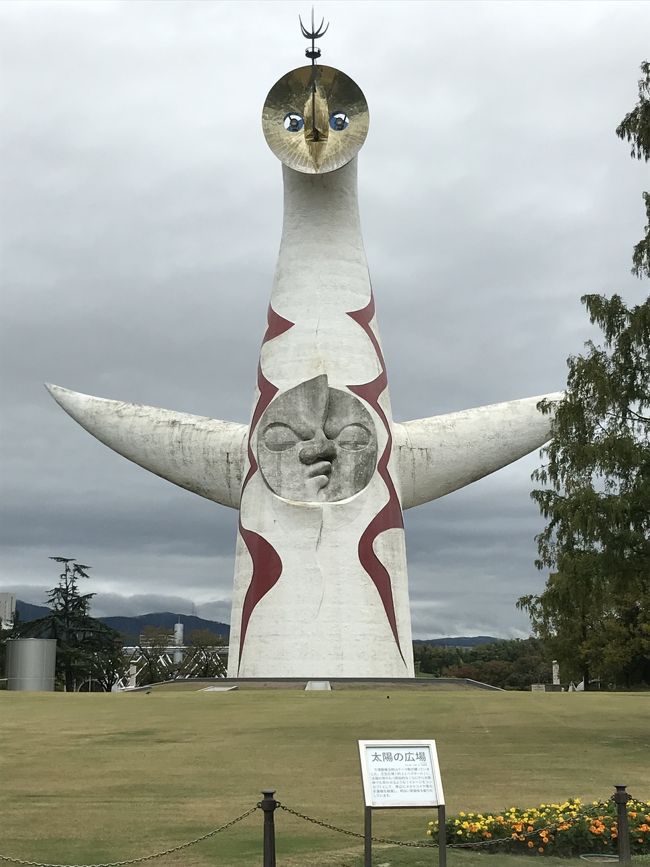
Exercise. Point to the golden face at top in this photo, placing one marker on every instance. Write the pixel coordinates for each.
(315, 119)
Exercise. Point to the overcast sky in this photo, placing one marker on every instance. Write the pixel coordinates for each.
(141, 216)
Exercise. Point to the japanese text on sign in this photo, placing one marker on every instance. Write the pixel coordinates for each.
(400, 774)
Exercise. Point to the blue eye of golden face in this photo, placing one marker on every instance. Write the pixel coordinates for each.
(293, 122)
(339, 121)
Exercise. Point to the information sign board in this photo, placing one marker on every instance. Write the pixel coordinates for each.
(400, 774)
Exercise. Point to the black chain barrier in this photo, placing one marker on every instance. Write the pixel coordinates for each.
(143, 858)
(413, 844)
(330, 827)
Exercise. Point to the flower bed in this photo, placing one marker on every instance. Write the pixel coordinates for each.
(567, 829)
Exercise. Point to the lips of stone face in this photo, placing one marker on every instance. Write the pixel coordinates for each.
(316, 444)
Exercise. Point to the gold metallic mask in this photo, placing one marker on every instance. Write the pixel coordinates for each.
(315, 132)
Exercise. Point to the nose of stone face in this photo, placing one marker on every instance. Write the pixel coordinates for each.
(317, 449)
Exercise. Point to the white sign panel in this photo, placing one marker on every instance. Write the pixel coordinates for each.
(401, 774)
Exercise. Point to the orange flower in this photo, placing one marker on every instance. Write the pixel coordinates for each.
(531, 845)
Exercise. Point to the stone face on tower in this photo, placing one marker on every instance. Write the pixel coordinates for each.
(321, 473)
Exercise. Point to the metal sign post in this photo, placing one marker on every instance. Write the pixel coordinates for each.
(401, 774)
(367, 837)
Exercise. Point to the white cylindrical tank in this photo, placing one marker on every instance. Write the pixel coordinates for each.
(30, 664)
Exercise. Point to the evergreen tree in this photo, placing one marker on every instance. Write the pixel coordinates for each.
(86, 648)
(595, 611)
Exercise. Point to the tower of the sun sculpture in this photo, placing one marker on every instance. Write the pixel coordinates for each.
(322, 473)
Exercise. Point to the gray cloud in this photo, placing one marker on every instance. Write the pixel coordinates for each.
(141, 218)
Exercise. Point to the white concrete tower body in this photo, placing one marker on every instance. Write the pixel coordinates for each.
(320, 578)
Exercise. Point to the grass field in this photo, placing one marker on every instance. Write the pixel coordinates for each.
(91, 778)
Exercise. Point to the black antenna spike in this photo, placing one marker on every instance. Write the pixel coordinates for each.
(313, 34)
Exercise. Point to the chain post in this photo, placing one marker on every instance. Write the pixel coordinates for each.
(620, 798)
(268, 805)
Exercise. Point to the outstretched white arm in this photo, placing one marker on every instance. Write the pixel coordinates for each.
(200, 454)
(440, 454)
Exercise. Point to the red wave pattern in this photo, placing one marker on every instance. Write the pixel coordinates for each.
(390, 517)
(267, 565)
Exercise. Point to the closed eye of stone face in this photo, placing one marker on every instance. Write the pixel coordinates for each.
(354, 437)
(279, 437)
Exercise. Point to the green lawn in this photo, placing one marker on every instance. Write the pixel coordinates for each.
(90, 778)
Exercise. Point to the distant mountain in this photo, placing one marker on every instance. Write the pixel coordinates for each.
(27, 611)
(460, 641)
(131, 627)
